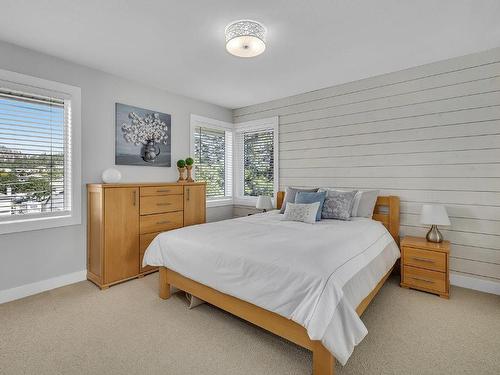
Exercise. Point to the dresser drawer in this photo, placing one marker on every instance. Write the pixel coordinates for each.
(161, 222)
(157, 204)
(144, 241)
(424, 279)
(147, 191)
(430, 260)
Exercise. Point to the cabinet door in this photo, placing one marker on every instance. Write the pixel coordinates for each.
(194, 204)
(121, 222)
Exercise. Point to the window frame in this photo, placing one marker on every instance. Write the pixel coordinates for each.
(205, 122)
(72, 98)
(254, 125)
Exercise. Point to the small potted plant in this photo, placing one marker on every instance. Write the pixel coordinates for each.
(181, 166)
(189, 167)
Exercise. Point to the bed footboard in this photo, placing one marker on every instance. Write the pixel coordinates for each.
(323, 360)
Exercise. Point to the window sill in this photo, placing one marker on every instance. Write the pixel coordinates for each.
(250, 202)
(245, 201)
(220, 202)
(37, 223)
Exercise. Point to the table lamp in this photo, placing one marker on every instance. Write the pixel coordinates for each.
(434, 215)
(264, 203)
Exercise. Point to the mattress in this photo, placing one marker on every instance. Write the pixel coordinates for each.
(315, 274)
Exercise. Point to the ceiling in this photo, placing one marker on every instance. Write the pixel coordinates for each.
(179, 45)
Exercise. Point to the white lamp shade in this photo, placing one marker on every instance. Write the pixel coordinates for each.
(434, 214)
(264, 202)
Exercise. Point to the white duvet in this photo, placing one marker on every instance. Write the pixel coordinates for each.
(294, 269)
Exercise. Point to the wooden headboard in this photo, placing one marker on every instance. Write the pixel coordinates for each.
(386, 211)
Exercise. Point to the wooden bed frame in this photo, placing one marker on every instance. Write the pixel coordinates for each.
(386, 211)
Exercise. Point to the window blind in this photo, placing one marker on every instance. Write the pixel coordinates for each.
(33, 155)
(258, 162)
(210, 160)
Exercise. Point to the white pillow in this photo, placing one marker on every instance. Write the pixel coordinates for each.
(305, 213)
(364, 203)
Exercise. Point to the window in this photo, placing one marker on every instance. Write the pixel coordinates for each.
(255, 159)
(36, 154)
(256, 168)
(211, 148)
(209, 160)
(258, 163)
(32, 155)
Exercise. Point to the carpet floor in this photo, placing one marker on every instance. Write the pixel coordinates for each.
(127, 329)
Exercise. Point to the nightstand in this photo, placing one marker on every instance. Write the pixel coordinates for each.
(424, 265)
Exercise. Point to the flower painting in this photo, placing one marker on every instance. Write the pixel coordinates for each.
(143, 137)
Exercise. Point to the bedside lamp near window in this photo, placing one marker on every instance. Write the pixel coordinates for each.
(434, 215)
(264, 203)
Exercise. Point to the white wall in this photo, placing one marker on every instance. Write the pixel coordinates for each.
(426, 134)
(29, 257)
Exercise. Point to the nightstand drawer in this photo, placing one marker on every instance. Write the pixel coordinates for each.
(430, 260)
(424, 279)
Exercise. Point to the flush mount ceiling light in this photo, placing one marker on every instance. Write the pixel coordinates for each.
(245, 38)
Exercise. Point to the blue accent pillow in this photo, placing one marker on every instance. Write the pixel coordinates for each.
(303, 197)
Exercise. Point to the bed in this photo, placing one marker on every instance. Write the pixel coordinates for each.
(306, 283)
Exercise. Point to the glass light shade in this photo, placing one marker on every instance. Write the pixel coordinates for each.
(264, 202)
(434, 214)
(245, 38)
(245, 46)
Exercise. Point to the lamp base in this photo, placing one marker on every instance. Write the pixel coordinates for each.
(434, 235)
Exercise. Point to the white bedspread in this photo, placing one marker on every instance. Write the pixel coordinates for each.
(294, 269)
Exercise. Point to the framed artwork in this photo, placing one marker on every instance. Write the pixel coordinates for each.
(142, 137)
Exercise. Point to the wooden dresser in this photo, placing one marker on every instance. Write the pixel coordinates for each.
(122, 220)
(424, 265)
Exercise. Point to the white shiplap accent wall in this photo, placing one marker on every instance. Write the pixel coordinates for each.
(427, 134)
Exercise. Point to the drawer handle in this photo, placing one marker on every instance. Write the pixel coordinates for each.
(163, 204)
(423, 260)
(162, 222)
(424, 280)
(163, 191)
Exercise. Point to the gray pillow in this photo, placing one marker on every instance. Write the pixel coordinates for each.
(338, 204)
(290, 194)
(364, 203)
(305, 212)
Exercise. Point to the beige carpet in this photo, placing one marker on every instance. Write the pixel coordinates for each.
(129, 330)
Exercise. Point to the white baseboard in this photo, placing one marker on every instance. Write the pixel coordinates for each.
(470, 282)
(41, 286)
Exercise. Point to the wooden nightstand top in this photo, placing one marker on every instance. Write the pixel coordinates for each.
(422, 243)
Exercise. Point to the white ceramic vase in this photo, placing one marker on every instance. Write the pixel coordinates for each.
(111, 176)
